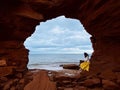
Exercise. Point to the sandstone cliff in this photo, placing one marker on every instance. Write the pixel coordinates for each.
(101, 18)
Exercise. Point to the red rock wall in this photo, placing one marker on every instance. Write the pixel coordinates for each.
(100, 18)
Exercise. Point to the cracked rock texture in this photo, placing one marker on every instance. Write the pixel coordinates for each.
(101, 18)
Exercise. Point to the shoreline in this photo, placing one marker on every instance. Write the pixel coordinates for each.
(51, 66)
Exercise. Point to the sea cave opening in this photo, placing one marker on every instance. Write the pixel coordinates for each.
(58, 41)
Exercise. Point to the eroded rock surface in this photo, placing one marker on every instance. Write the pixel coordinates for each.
(41, 82)
(18, 19)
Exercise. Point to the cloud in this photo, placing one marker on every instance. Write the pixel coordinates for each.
(57, 30)
(60, 35)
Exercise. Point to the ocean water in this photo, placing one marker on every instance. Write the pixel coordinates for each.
(52, 61)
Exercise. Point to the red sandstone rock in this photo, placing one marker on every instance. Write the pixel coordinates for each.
(3, 79)
(12, 88)
(7, 85)
(41, 82)
(118, 78)
(3, 62)
(80, 88)
(92, 82)
(107, 74)
(99, 17)
(70, 66)
(22, 81)
(19, 75)
(4, 71)
(68, 89)
(109, 85)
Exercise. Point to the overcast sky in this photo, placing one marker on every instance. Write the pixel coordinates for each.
(59, 35)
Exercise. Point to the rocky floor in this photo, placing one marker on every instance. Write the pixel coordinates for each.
(16, 81)
(74, 80)
(40, 81)
(66, 79)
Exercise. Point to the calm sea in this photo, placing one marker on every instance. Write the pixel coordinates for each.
(52, 61)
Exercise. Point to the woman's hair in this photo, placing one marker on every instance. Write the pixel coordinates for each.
(85, 54)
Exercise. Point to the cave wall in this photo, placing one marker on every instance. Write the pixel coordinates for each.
(18, 19)
(101, 19)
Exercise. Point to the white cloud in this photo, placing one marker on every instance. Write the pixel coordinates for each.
(71, 49)
(76, 50)
(57, 30)
(59, 35)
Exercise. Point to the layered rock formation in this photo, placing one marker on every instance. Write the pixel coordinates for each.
(18, 19)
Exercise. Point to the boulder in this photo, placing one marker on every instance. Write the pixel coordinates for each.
(70, 66)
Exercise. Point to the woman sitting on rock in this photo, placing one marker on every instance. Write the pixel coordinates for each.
(85, 65)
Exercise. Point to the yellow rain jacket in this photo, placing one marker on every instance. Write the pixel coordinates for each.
(85, 65)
